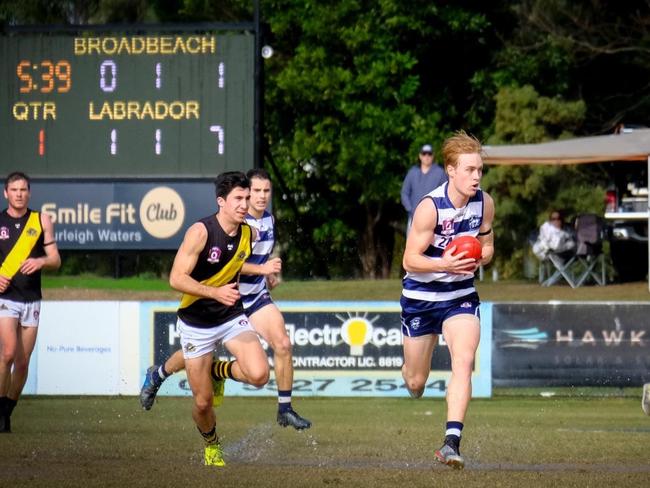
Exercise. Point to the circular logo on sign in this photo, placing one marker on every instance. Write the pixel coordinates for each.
(162, 212)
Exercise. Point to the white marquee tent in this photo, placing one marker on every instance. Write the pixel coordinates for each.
(632, 146)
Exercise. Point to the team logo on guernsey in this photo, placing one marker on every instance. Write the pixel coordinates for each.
(474, 222)
(447, 227)
(4, 233)
(242, 255)
(214, 254)
(31, 232)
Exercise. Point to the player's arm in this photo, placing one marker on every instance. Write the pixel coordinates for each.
(486, 232)
(52, 259)
(418, 240)
(180, 278)
(273, 265)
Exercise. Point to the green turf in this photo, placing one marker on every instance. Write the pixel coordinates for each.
(103, 283)
(509, 441)
(374, 289)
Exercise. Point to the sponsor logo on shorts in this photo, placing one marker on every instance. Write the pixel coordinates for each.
(243, 323)
(466, 305)
(415, 323)
(4, 233)
(189, 347)
(214, 255)
(36, 314)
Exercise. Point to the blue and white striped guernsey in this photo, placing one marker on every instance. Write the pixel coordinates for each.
(250, 286)
(452, 222)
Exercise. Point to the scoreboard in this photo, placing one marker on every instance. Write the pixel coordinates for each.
(111, 105)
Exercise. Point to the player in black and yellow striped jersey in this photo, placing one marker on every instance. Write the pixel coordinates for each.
(26, 246)
(206, 270)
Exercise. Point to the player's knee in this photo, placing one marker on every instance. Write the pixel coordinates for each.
(203, 404)
(7, 356)
(463, 364)
(282, 347)
(414, 382)
(258, 376)
(20, 366)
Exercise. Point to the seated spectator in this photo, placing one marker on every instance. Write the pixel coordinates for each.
(553, 237)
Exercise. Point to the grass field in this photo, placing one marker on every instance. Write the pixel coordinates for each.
(509, 441)
(577, 438)
(91, 287)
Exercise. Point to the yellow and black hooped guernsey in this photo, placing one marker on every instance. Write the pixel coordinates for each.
(21, 238)
(218, 264)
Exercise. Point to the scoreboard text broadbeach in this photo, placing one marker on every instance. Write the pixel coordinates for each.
(145, 106)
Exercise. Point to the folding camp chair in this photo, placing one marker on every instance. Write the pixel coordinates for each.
(589, 258)
(558, 266)
(553, 267)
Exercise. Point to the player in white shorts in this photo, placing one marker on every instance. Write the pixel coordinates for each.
(26, 247)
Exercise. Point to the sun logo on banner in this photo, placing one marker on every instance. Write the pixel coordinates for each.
(356, 331)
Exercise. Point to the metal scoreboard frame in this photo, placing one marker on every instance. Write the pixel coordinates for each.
(141, 102)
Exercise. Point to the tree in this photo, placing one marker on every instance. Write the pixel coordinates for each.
(601, 49)
(354, 88)
(525, 194)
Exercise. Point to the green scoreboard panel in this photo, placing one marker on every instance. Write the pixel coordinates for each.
(113, 105)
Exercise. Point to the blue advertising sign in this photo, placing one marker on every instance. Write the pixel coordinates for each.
(122, 215)
(571, 344)
(339, 349)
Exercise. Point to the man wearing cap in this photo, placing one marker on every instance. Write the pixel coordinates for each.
(420, 180)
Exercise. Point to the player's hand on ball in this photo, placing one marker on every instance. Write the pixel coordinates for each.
(467, 250)
(458, 263)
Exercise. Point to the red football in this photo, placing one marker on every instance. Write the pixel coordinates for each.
(466, 243)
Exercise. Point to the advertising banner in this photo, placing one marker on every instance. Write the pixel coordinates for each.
(339, 349)
(571, 344)
(78, 349)
(122, 215)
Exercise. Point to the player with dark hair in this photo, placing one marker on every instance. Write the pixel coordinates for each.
(438, 295)
(258, 274)
(26, 247)
(206, 270)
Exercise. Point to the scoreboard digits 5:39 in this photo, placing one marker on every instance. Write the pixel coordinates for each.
(113, 105)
